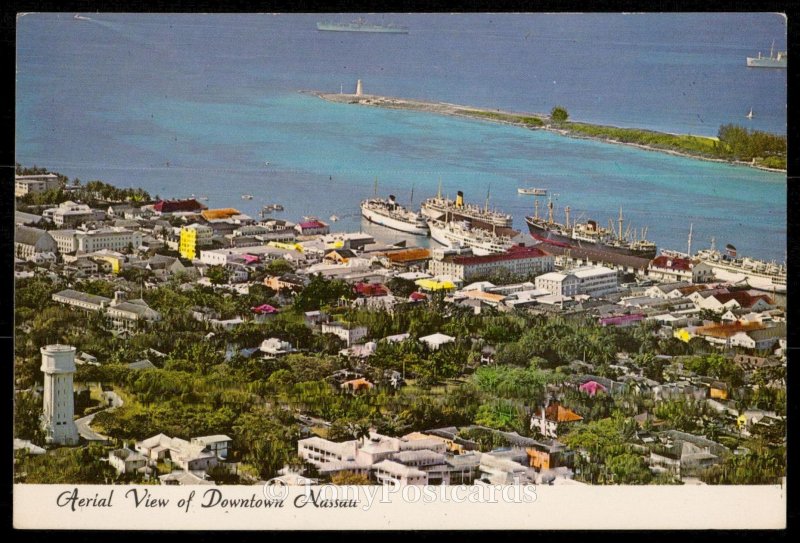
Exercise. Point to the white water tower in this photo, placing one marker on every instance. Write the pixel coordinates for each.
(359, 88)
(58, 365)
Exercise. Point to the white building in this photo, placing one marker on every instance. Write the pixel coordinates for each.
(30, 242)
(522, 261)
(28, 184)
(125, 460)
(58, 365)
(265, 253)
(113, 239)
(434, 341)
(65, 240)
(389, 472)
(349, 335)
(557, 283)
(217, 444)
(596, 280)
(70, 213)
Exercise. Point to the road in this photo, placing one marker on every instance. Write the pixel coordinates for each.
(84, 423)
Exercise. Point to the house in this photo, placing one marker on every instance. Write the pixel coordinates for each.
(357, 385)
(125, 460)
(434, 341)
(673, 268)
(339, 256)
(312, 227)
(551, 420)
(29, 242)
(187, 456)
(139, 365)
(348, 334)
(360, 351)
(288, 281)
(130, 315)
(276, 347)
(685, 454)
(545, 455)
(185, 478)
(370, 289)
(217, 444)
(313, 318)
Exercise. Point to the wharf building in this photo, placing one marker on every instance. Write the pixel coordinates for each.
(523, 261)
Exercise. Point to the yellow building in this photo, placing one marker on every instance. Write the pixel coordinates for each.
(114, 261)
(193, 237)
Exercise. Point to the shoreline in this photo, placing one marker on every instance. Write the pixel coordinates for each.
(530, 121)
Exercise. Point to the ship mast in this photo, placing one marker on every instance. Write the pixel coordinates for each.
(439, 194)
(550, 211)
(536, 209)
(620, 221)
(375, 189)
(689, 245)
(566, 213)
(411, 200)
(488, 191)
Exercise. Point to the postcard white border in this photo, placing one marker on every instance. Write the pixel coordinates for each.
(555, 507)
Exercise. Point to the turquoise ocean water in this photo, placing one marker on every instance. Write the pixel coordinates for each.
(195, 104)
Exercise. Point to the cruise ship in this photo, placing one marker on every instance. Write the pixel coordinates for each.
(772, 61)
(589, 234)
(388, 213)
(757, 274)
(439, 208)
(459, 234)
(360, 25)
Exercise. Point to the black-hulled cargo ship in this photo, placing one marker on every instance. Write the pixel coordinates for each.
(588, 235)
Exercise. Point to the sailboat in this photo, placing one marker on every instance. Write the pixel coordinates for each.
(750, 115)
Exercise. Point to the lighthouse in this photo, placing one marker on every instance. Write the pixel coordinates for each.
(359, 89)
(58, 365)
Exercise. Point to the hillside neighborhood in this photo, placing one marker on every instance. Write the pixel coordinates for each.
(164, 341)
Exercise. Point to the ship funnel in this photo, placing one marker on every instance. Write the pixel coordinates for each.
(460, 199)
(391, 198)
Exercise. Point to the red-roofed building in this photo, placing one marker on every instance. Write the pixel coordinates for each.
(171, 206)
(312, 227)
(370, 289)
(551, 420)
(520, 260)
(673, 268)
(418, 297)
(735, 300)
(592, 388)
(264, 309)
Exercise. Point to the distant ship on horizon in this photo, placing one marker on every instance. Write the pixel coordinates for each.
(360, 25)
(772, 61)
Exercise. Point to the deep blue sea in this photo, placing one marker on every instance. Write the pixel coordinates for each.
(197, 104)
